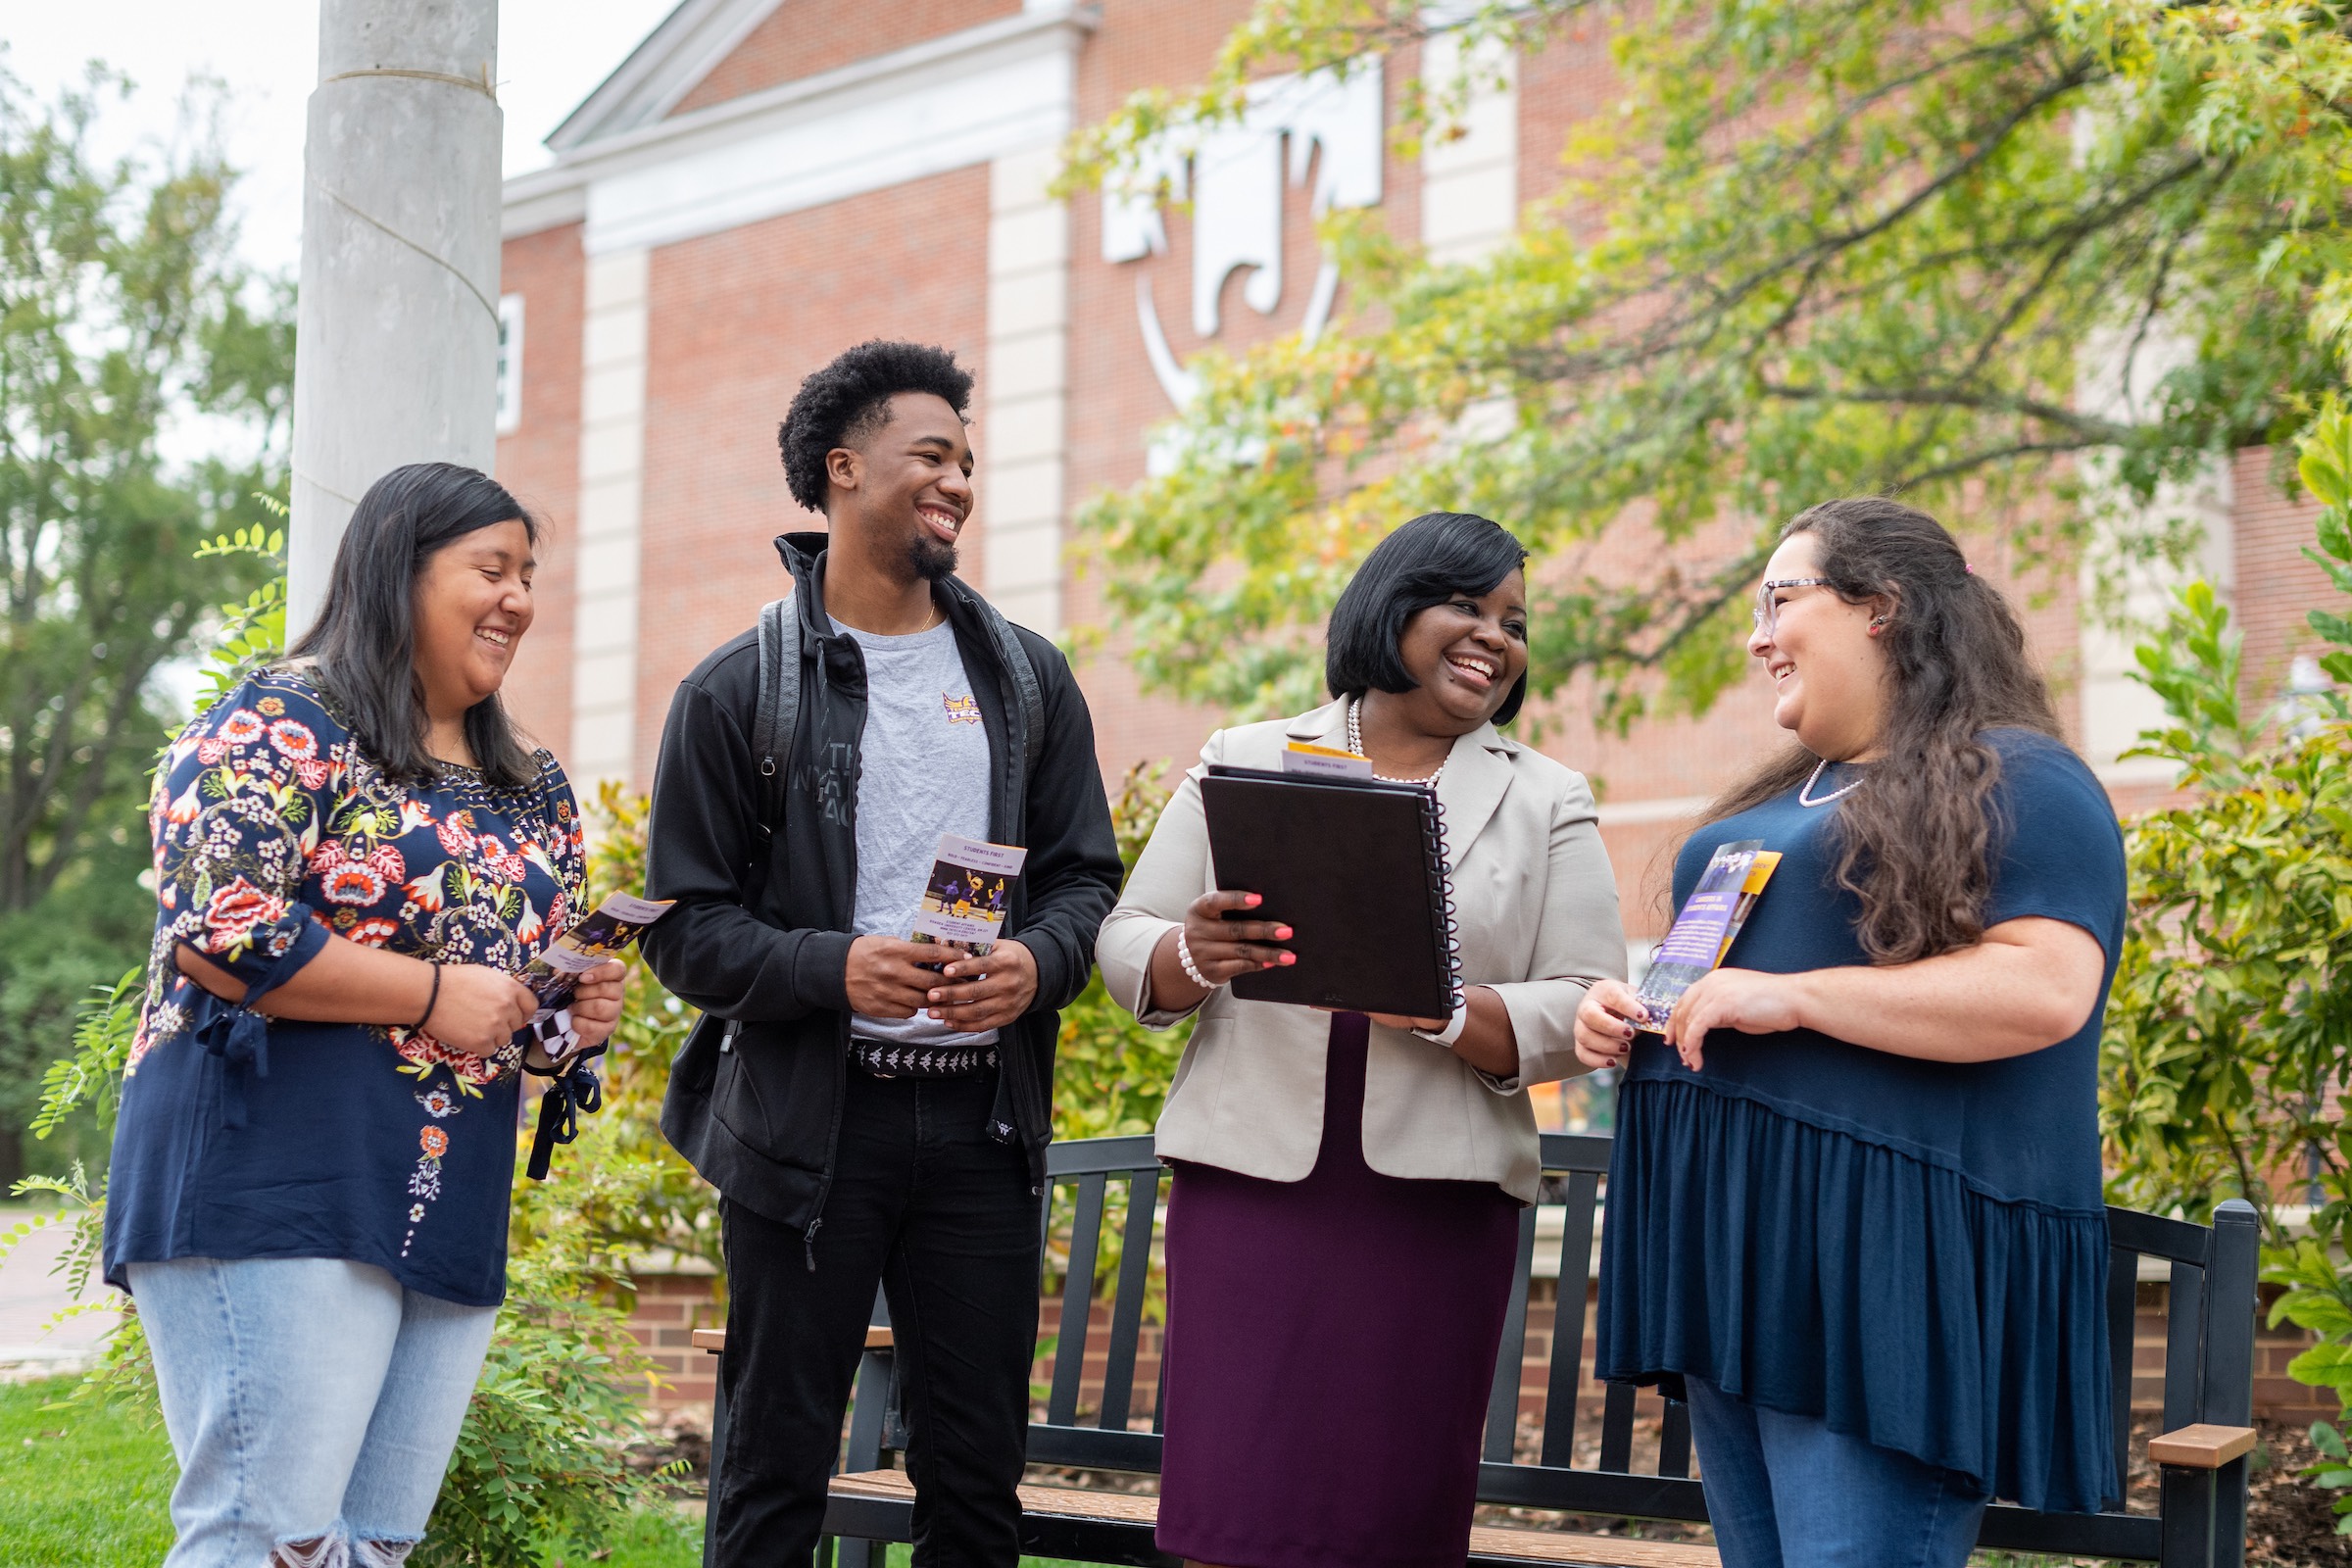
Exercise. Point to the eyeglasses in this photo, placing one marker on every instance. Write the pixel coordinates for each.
(1768, 611)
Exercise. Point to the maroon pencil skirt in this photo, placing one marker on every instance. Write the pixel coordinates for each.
(1330, 1347)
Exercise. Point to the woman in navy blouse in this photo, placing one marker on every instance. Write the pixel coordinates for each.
(354, 855)
(1854, 1201)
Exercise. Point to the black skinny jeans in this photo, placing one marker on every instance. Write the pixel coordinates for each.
(940, 1214)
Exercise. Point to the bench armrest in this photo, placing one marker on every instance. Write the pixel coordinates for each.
(2201, 1446)
(877, 1338)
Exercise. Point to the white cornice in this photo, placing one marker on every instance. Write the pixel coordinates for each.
(944, 103)
(663, 69)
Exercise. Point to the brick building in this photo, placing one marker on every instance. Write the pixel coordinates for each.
(763, 183)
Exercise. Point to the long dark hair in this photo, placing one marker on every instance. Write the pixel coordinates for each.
(1917, 838)
(364, 644)
(1426, 562)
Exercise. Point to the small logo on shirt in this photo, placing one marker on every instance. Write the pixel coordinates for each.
(960, 709)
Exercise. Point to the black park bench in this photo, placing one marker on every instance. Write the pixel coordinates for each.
(2208, 1397)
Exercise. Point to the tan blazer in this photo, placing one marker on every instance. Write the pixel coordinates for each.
(1538, 907)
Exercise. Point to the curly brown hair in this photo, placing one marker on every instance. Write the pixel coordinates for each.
(1917, 837)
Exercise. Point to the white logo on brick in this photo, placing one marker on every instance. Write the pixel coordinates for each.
(1235, 180)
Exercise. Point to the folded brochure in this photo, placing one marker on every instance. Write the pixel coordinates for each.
(604, 935)
(1324, 762)
(968, 892)
(1709, 922)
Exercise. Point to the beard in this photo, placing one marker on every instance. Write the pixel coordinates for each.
(931, 559)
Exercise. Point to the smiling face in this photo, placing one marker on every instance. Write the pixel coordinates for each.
(1466, 654)
(472, 605)
(1828, 674)
(908, 487)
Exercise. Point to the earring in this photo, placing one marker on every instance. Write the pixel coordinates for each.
(1878, 625)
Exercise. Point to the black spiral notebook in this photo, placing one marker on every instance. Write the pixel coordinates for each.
(1357, 869)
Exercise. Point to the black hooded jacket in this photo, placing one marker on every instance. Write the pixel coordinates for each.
(760, 938)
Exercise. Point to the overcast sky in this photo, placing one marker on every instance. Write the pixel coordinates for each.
(551, 53)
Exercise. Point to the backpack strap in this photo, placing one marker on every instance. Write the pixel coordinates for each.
(779, 703)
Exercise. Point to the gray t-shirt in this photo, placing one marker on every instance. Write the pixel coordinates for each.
(922, 771)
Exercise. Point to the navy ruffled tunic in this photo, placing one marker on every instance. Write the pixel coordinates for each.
(1914, 1252)
(244, 1137)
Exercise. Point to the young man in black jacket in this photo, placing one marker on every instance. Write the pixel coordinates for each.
(866, 1118)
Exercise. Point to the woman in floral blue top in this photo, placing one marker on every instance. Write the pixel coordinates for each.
(354, 856)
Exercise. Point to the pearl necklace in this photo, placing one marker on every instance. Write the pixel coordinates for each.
(1805, 796)
(1355, 744)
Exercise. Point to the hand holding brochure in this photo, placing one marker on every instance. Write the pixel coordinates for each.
(604, 935)
(968, 893)
(1710, 920)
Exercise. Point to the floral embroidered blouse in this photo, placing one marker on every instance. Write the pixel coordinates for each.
(243, 1137)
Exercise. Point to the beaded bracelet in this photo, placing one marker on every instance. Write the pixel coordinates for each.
(1183, 959)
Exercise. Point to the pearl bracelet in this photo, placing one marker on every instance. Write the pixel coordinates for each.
(1183, 959)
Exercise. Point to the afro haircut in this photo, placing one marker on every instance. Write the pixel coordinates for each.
(849, 400)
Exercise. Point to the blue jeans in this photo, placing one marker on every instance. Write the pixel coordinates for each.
(1786, 1490)
(312, 1401)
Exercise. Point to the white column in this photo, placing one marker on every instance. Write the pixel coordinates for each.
(603, 638)
(2115, 708)
(397, 334)
(1470, 183)
(1022, 431)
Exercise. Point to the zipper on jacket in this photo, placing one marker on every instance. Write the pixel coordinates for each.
(809, 1240)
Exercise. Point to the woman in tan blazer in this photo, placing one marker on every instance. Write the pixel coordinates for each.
(1344, 1220)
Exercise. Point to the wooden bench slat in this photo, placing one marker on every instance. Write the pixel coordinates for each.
(877, 1338)
(1077, 1302)
(2183, 1331)
(2123, 1297)
(1135, 1508)
(1502, 1395)
(1127, 1307)
(1568, 1321)
(2203, 1446)
(1060, 1502)
(1601, 1552)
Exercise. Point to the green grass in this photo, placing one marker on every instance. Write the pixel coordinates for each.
(81, 1487)
(88, 1487)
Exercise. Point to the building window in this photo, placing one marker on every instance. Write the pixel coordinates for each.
(509, 363)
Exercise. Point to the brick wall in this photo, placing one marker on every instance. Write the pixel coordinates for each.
(540, 462)
(670, 1307)
(738, 319)
(801, 40)
(2276, 582)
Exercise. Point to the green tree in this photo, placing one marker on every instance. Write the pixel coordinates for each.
(127, 331)
(1818, 248)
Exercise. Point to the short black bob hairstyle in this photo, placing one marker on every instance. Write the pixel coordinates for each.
(364, 644)
(1432, 558)
(849, 400)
